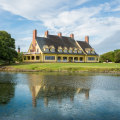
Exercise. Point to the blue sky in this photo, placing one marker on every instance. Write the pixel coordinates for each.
(100, 19)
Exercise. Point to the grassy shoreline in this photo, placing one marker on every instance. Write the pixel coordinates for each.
(63, 67)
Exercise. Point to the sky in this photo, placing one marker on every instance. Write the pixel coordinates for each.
(99, 19)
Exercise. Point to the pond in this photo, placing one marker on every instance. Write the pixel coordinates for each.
(59, 96)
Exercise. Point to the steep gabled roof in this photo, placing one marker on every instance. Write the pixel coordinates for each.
(85, 45)
(57, 41)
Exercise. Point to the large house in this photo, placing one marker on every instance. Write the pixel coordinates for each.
(58, 48)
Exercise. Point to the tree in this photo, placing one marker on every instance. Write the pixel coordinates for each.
(20, 57)
(7, 47)
(109, 56)
(113, 56)
(7, 88)
(117, 56)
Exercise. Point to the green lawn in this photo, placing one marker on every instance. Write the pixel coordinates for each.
(68, 66)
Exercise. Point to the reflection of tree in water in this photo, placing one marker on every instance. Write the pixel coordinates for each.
(56, 87)
(6, 92)
(7, 88)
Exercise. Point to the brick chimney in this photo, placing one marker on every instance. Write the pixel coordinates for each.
(72, 36)
(60, 34)
(87, 39)
(46, 33)
(34, 39)
(18, 49)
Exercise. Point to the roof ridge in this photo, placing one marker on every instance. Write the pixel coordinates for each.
(58, 36)
(80, 41)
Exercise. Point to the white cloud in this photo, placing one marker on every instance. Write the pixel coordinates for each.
(33, 9)
(65, 16)
(117, 9)
(24, 43)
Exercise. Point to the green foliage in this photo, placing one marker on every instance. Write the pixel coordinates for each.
(113, 56)
(7, 47)
(20, 57)
(117, 56)
(107, 57)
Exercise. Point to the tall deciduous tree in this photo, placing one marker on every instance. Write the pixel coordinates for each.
(107, 57)
(117, 56)
(7, 47)
(113, 56)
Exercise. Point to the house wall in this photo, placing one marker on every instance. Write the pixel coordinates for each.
(62, 58)
(96, 58)
(70, 58)
(27, 56)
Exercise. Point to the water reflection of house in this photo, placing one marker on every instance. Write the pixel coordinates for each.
(55, 92)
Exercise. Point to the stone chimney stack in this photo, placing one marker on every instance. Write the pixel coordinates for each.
(60, 34)
(18, 49)
(72, 36)
(87, 39)
(34, 39)
(46, 33)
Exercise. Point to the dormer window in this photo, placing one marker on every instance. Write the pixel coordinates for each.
(93, 52)
(88, 51)
(45, 48)
(52, 48)
(70, 50)
(79, 51)
(65, 49)
(75, 50)
(60, 49)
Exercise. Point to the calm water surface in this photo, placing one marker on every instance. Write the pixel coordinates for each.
(59, 96)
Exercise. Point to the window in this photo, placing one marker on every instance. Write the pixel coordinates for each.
(37, 50)
(31, 50)
(81, 58)
(64, 59)
(88, 51)
(32, 57)
(24, 57)
(46, 50)
(59, 59)
(70, 51)
(92, 52)
(52, 49)
(49, 57)
(75, 59)
(91, 58)
(28, 57)
(79, 51)
(65, 50)
(37, 57)
(60, 50)
(75, 51)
